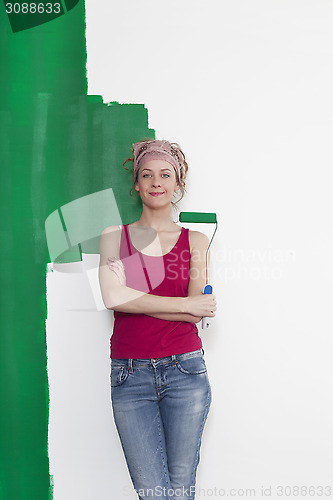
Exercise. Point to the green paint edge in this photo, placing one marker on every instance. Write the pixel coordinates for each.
(50, 131)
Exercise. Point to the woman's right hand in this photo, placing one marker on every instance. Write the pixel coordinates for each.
(201, 305)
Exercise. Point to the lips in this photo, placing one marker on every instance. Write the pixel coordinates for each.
(156, 193)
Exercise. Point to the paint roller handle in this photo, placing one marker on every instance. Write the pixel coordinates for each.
(205, 320)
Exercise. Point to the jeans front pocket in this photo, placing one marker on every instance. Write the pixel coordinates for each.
(192, 365)
(118, 375)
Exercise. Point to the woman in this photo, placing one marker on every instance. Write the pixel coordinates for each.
(159, 384)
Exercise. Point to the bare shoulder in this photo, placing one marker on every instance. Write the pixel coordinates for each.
(111, 229)
(110, 242)
(198, 241)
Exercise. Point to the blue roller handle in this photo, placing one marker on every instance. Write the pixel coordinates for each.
(205, 321)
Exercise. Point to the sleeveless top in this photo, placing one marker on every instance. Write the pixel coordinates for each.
(142, 336)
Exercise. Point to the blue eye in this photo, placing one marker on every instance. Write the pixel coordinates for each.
(144, 175)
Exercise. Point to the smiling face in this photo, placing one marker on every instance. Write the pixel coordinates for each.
(156, 182)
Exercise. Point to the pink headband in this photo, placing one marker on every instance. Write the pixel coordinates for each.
(156, 150)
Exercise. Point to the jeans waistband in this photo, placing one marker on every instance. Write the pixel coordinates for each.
(156, 361)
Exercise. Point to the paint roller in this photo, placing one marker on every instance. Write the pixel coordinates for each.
(202, 218)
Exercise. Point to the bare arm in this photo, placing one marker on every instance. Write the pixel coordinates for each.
(189, 318)
(199, 243)
(123, 298)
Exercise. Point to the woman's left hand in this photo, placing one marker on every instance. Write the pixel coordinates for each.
(117, 267)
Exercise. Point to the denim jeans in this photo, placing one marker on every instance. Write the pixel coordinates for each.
(160, 408)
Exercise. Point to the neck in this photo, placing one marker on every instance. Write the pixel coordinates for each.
(160, 220)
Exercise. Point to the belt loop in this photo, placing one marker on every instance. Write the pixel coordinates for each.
(130, 365)
(173, 357)
(202, 349)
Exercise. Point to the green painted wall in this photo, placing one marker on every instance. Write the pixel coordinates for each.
(56, 145)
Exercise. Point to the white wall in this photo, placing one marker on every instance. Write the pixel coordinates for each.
(246, 89)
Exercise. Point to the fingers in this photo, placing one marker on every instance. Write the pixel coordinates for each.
(118, 268)
(212, 299)
(212, 305)
(113, 260)
(115, 263)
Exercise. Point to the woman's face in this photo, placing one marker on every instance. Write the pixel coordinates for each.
(156, 176)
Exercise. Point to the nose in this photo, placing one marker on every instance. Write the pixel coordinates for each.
(156, 183)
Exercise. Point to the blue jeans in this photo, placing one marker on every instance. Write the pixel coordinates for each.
(160, 408)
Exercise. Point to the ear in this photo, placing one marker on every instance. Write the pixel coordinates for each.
(136, 187)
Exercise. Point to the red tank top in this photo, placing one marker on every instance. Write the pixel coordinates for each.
(142, 336)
